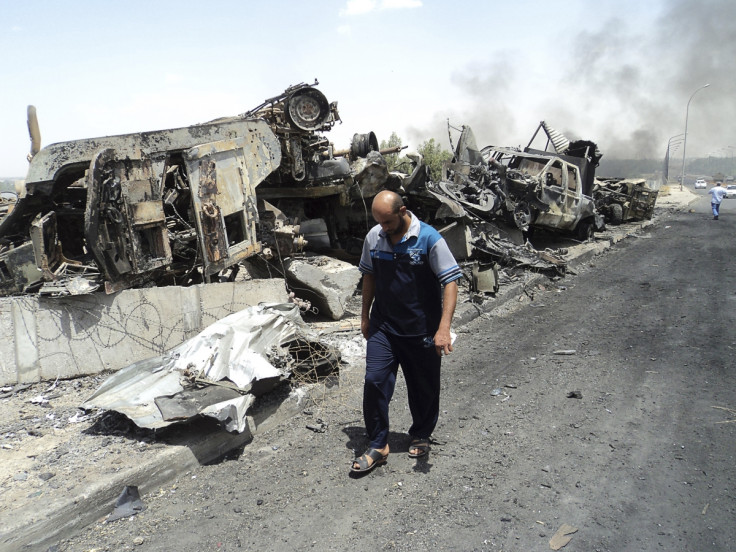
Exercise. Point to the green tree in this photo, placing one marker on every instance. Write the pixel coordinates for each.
(434, 157)
(393, 160)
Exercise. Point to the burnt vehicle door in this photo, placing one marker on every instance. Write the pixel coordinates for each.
(224, 202)
(553, 193)
(125, 225)
(563, 182)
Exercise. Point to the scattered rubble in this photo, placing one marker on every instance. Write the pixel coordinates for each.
(128, 504)
(562, 537)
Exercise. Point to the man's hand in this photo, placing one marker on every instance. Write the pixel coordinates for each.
(443, 342)
(442, 339)
(364, 325)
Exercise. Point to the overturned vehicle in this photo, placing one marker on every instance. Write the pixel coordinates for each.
(185, 205)
(624, 199)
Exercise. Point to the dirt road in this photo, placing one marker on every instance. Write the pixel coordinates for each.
(643, 459)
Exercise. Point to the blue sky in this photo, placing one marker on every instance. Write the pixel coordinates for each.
(616, 72)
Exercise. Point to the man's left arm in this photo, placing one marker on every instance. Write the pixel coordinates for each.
(442, 339)
(448, 272)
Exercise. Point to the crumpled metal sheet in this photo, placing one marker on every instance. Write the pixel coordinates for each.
(234, 353)
(128, 504)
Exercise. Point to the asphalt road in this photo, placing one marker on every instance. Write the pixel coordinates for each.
(643, 460)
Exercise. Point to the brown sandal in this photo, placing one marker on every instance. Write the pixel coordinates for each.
(421, 445)
(362, 462)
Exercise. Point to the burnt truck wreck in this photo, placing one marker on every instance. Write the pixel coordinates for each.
(530, 188)
(550, 190)
(194, 204)
(176, 206)
(491, 199)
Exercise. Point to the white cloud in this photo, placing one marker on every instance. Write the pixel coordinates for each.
(358, 7)
(343, 29)
(400, 4)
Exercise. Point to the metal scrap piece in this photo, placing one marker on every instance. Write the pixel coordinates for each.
(239, 351)
(128, 504)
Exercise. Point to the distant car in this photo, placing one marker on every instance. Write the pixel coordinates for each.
(731, 190)
(700, 183)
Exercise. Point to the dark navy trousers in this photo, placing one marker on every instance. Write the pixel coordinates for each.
(420, 364)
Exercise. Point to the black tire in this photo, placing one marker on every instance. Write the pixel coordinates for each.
(617, 214)
(585, 230)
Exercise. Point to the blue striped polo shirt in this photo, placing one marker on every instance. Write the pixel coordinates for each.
(409, 277)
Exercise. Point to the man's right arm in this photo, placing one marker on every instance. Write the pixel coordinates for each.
(368, 292)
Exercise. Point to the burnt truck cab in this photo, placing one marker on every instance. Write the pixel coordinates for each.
(549, 190)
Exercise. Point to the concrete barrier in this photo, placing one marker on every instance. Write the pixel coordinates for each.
(45, 339)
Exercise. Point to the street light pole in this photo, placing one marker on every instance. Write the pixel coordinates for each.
(670, 151)
(676, 138)
(684, 145)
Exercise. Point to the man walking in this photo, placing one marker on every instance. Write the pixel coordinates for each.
(409, 280)
(717, 193)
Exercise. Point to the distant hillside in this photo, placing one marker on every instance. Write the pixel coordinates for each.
(636, 168)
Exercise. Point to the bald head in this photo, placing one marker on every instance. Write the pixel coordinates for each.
(389, 211)
(388, 200)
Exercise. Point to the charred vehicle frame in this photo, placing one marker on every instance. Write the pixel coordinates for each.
(623, 200)
(549, 190)
(186, 205)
